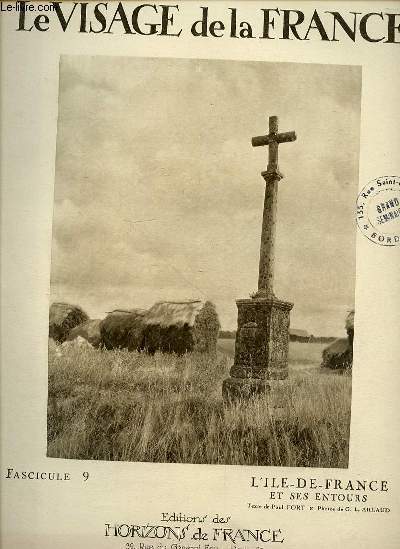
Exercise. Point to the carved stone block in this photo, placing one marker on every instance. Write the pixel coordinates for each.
(262, 345)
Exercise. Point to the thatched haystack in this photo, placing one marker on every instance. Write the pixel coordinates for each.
(206, 329)
(89, 330)
(122, 329)
(339, 354)
(350, 327)
(180, 327)
(62, 318)
(168, 327)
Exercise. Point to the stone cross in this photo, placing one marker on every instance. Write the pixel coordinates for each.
(271, 176)
(262, 337)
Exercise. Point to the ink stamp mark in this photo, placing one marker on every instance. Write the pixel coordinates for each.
(378, 210)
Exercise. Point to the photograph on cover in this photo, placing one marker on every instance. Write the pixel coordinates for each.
(202, 293)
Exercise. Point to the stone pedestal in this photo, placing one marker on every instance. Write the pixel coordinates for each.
(261, 348)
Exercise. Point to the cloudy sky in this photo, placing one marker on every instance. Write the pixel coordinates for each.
(158, 193)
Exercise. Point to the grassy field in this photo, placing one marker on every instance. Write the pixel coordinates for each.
(115, 405)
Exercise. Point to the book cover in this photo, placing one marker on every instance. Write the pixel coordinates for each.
(200, 253)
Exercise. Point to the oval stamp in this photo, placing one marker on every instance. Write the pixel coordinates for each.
(378, 210)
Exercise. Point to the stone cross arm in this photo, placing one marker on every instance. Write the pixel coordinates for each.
(272, 139)
(262, 140)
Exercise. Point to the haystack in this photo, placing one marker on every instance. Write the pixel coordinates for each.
(89, 330)
(339, 354)
(206, 329)
(350, 327)
(122, 329)
(180, 327)
(168, 327)
(62, 318)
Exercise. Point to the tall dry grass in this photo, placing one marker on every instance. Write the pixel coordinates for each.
(115, 405)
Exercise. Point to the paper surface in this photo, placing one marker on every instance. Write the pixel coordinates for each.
(74, 511)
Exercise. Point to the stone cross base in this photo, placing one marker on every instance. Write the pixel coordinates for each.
(261, 348)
